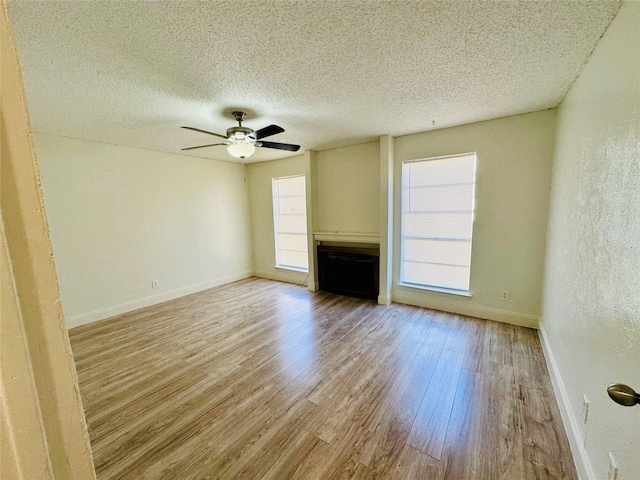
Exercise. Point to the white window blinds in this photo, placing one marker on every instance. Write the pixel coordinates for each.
(290, 222)
(437, 221)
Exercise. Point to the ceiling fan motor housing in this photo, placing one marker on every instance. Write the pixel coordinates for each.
(239, 133)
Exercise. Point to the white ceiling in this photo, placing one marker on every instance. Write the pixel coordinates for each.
(331, 73)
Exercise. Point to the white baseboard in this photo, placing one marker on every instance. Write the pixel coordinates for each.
(580, 456)
(439, 301)
(112, 311)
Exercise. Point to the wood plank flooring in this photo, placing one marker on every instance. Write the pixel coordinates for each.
(265, 380)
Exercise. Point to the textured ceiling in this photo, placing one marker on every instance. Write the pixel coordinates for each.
(331, 73)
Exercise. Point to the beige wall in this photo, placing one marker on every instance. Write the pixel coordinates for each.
(511, 203)
(591, 304)
(259, 177)
(349, 189)
(121, 217)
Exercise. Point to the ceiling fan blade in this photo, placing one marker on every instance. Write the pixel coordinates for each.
(204, 131)
(279, 146)
(268, 131)
(202, 146)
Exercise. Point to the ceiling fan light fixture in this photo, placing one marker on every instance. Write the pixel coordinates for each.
(241, 141)
(241, 149)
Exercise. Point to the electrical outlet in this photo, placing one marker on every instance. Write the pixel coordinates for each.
(585, 408)
(504, 295)
(155, 284)
(612, 470)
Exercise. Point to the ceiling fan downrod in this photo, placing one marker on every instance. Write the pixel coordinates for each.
(239, 116)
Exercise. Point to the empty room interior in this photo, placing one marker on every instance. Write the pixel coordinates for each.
(320, 240)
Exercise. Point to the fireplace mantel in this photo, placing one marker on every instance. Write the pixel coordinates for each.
(352, 237)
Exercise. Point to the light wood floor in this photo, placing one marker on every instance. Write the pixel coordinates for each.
(259, 379)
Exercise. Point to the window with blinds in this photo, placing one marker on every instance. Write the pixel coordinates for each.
(290, 223)
(437, 222)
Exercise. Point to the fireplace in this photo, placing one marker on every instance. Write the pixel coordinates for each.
(351, 271)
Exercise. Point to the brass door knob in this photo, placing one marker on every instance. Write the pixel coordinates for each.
(623, 394)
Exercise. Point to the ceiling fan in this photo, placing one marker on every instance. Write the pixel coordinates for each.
(241, 141)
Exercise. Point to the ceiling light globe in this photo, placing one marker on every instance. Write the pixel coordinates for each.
(241, 150)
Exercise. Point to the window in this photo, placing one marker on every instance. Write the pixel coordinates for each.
(290, 222)
(437, 222)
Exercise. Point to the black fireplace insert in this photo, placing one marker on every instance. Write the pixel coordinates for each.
(349, 271)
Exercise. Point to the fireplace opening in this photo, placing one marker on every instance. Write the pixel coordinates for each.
(351, 271)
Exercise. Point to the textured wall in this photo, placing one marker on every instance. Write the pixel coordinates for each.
(259, 176)
(591, 307)
(121, 217)
(513, 174)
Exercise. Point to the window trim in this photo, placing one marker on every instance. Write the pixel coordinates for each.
(449, 291)
(436, 288)
(278, 265)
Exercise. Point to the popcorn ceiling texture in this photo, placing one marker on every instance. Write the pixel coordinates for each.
(330, 73)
